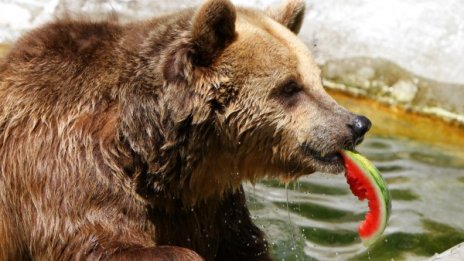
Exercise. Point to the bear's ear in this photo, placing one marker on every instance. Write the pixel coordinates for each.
(290, 13)
(213, 29)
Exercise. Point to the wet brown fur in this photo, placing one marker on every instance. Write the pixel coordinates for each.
(118, 139)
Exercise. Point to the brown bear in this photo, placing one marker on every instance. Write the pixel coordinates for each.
(131, 141)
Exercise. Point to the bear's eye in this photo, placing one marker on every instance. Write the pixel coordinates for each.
(290, 89)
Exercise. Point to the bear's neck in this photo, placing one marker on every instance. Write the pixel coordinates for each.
(167, 128)
(191, 171)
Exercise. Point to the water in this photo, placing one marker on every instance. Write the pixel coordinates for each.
(320, 219)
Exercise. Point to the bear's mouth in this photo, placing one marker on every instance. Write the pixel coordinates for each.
(333, 157)
(330, 161)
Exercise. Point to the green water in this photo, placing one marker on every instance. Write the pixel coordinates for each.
(316, 218)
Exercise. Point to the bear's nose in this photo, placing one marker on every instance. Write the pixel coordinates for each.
(360, 125)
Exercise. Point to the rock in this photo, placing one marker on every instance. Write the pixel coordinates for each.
(453, 254)
(404, 91)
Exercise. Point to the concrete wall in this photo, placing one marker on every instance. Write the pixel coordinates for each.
(423, 36)
(359, 43)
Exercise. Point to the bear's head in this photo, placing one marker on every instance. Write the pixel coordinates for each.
(249, 101)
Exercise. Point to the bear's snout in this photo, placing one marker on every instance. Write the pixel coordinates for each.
(359, 126)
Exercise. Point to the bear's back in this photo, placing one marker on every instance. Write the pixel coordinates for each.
(58, 65)
(57, 114)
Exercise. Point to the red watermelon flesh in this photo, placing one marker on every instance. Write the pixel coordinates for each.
(366, 182)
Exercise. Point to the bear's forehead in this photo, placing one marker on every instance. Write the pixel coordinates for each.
(273, 45)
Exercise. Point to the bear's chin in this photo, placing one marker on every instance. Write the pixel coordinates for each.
(332, 168)
(330, 161)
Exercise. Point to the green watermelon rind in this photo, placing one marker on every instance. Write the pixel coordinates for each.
(381, 190)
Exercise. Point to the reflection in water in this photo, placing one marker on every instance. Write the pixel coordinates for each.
(320, 219)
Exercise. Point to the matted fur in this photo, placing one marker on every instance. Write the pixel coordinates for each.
(118, 139)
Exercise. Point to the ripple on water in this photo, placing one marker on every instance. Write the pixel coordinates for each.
(330, 237)
(403, 194)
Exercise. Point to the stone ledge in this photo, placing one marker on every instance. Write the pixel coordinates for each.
(455, 253)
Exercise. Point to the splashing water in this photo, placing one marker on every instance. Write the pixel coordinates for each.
(293, 247)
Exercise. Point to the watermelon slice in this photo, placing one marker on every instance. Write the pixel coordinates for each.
(366, 183)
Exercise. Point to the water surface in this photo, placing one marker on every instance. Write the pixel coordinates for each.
(316, 218)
